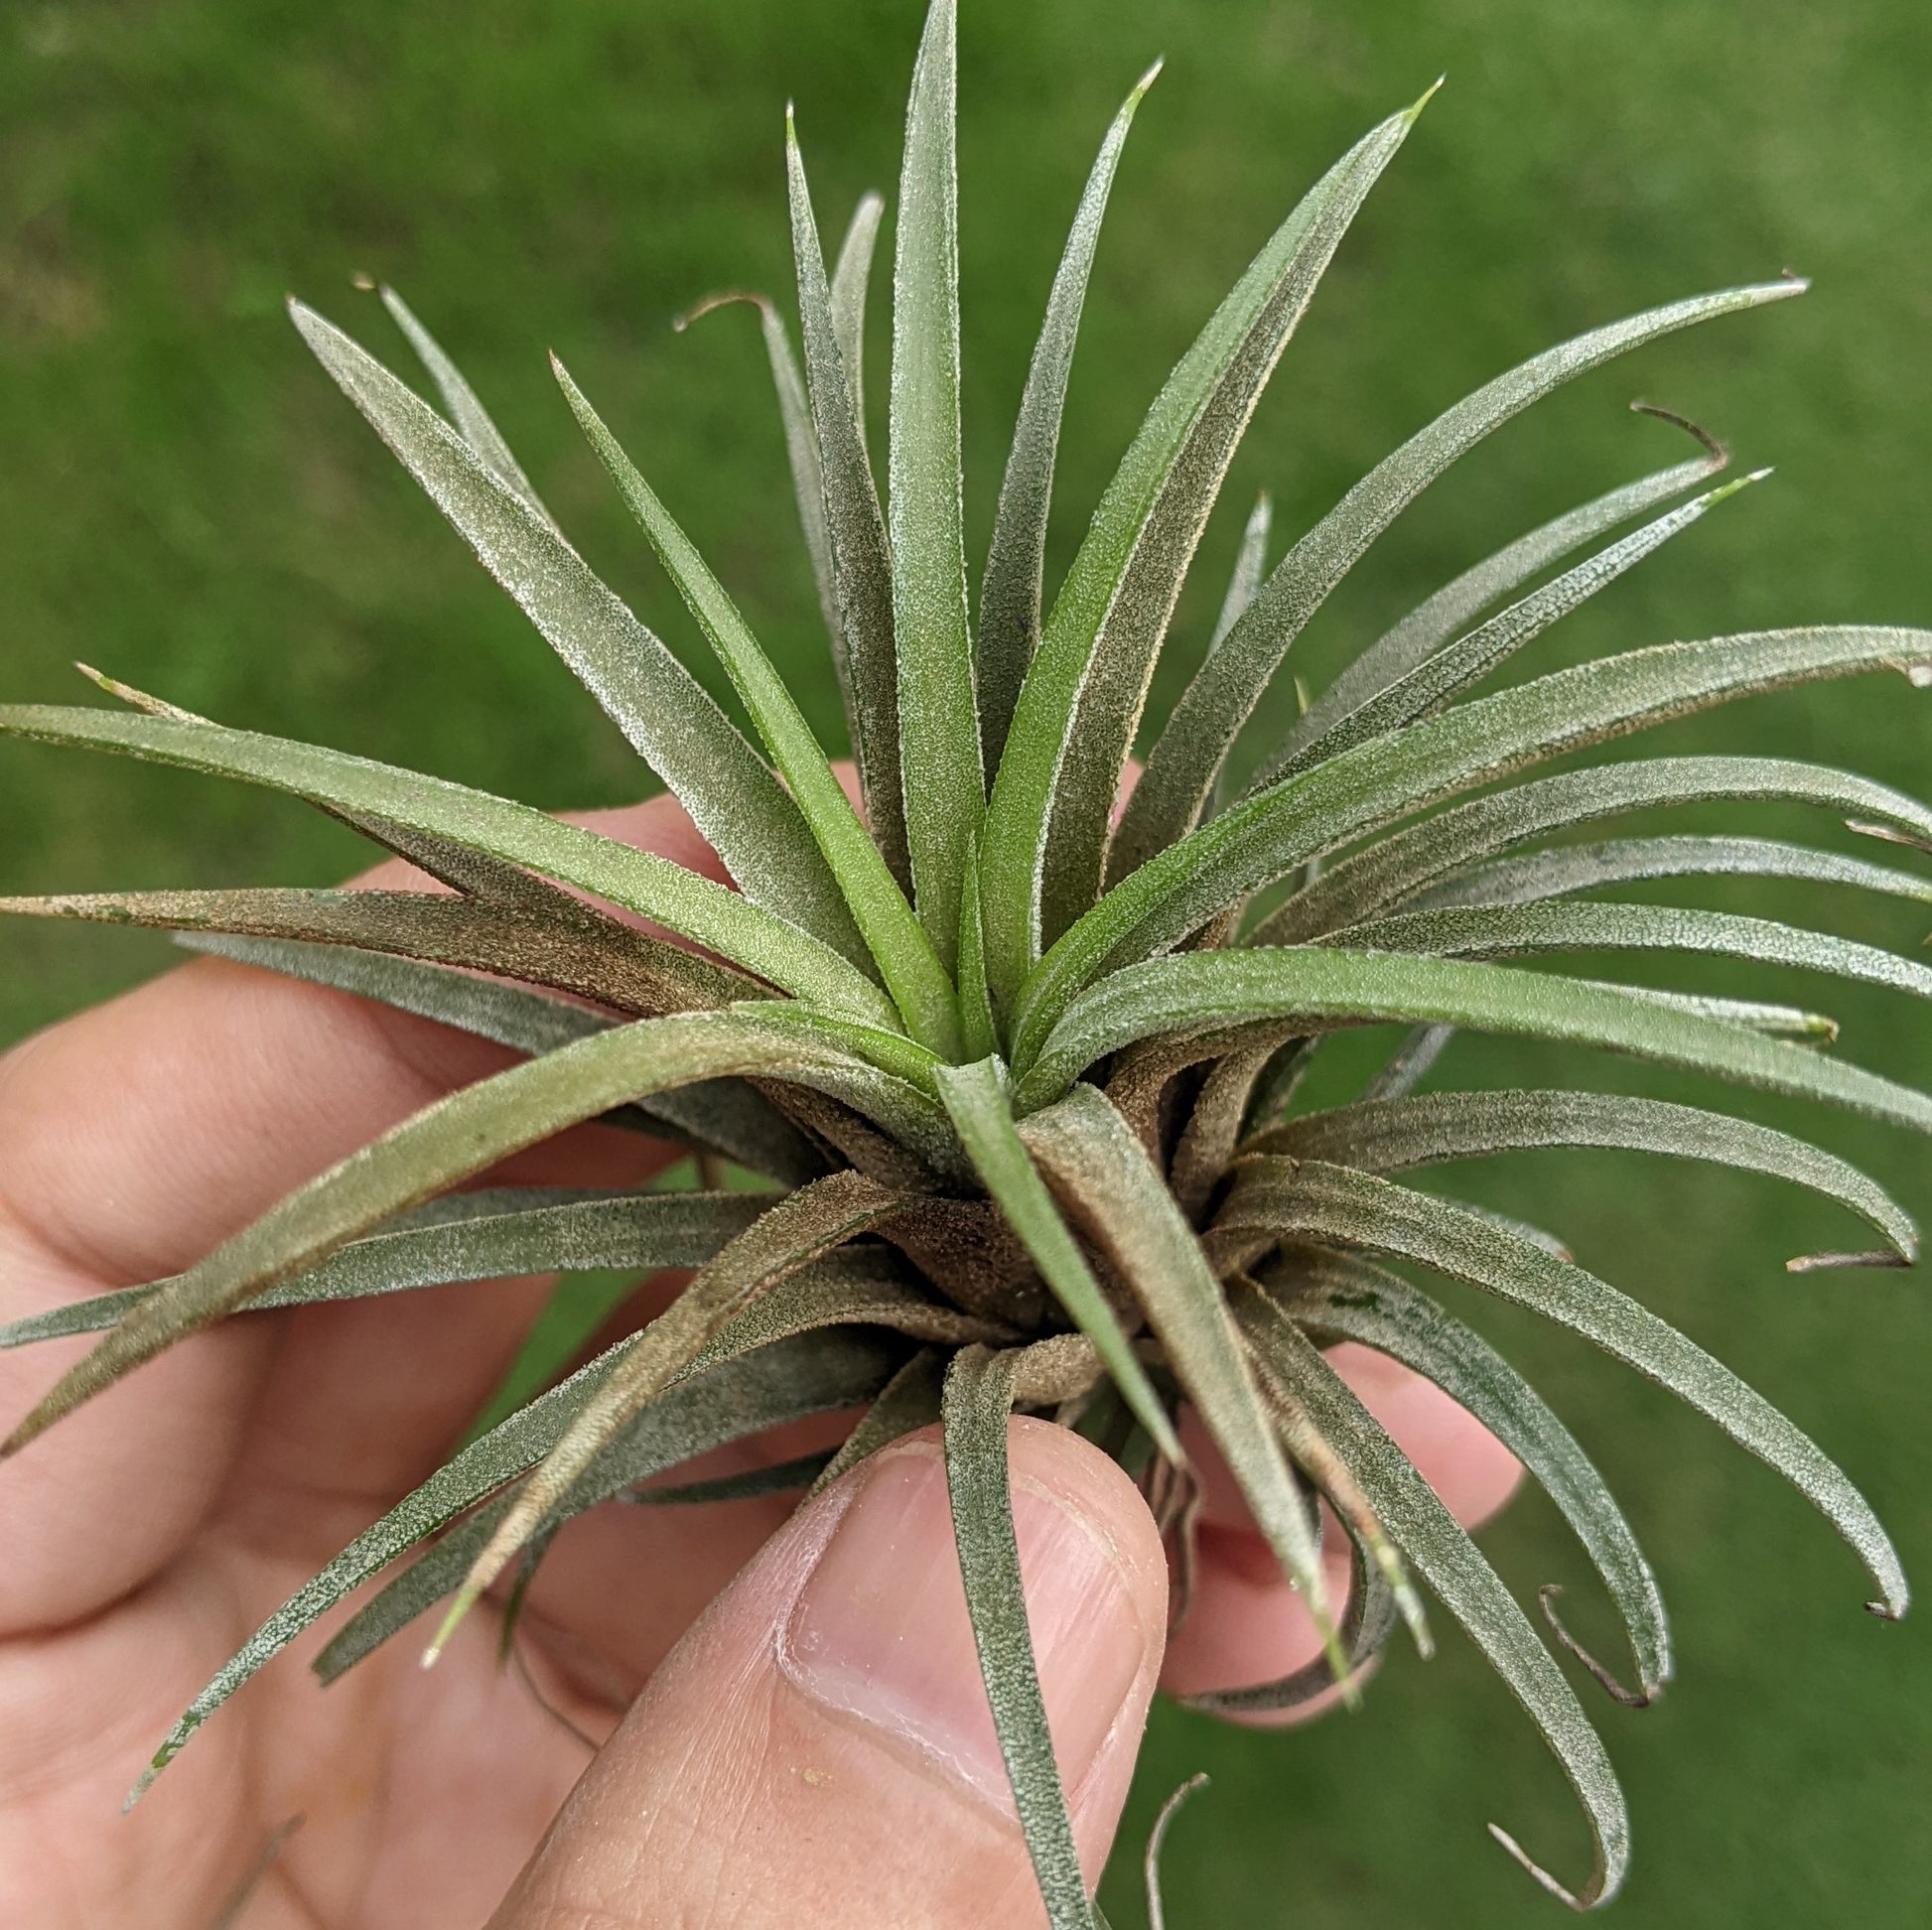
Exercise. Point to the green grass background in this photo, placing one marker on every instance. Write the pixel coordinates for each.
(185, 500)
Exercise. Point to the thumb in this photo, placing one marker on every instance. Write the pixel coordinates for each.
(817, 1752)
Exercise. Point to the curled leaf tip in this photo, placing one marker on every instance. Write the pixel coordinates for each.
(1641, 1696)
(1919, 675)
(1887, 1612)
(1150, 77)
(1566, 1897)
(1806, 1263)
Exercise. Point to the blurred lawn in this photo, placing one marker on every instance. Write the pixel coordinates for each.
(185, 501)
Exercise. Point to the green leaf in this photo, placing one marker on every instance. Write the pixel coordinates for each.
(975, 1097)
(1582, 867)
(569, 949)
(908, 962)
(1453, 669)
(1009, 597)
(979, 1026)
(724, 1116)
(979, 1395)
(721, 920)
(1101, 1174)
(1492, 932)
(731, 792)
(863, 651)
(1250, 566)
(1333, 1204)
(1454, 1568)
(726, 1401)
(1317, 987)
(778, 1477)
(854, 1287)
(466, 410)
(938, 719)
(1203, 725)
(445, 1143)
(1267, 836)
(1336, 1297)
(1432, 623)
(1393, 1134)
(851, 281)
(492, 1235)
(801, 440)
(1083, 693)
(1399, 867)
(803, 1227)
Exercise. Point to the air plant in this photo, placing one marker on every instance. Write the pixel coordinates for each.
(1020, 1066)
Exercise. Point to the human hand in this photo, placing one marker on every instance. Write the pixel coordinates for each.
(806, 1741)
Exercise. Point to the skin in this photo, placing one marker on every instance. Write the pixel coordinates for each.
(148, 1533)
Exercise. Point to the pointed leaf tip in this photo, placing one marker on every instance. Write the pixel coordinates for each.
(1413, 114)
(1150, 77)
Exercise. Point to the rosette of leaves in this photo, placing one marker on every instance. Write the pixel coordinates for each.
(1020, 1066)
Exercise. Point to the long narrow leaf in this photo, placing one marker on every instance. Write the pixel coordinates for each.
(1198, 990)
(788, 1237)
(1394, 1135)
(1340, 1297)
(491, 1235)
(1395, 868)
(722, 921)
(979, 1395)
(976, 1098)
(1101, 1174)
(1205, 722)
(851, 281)
(1129, 565)
(728, 1398)
(862, 649)
(1451, 1563)
(1335, 1205)
(1011, 594)
(1269, 835)
(1617, 861)
(464, 408)
(905, 959)
(441, 1146)
(730, 791)
(1432, 623)
(938, 719)
(1494, 931)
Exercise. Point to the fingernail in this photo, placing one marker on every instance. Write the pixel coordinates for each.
(881, 1630)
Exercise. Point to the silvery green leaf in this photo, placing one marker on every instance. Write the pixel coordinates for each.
(863, 651)
(1396, 1133)
(1270, 834)
(976, 1099)
(721, 920)
(1205, 721)
(1100, 1173)
(1454, 1568)
(1083, 692)
(492, 1235)
(1317, 987)
(850, 280)
(1009, 597)
(1337, 1297)
(466, 410)
(445, 1144)
(1583, 868)
(731, 792)
(978, 1397)
(1397, 868)
(938, 718)
(908, 962)
(1335, 1205)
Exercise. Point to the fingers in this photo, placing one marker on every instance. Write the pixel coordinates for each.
(134, 1139)
(818, 1752)
(1244, 1626)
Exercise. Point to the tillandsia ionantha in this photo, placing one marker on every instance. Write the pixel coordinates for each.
(1020, 1063)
